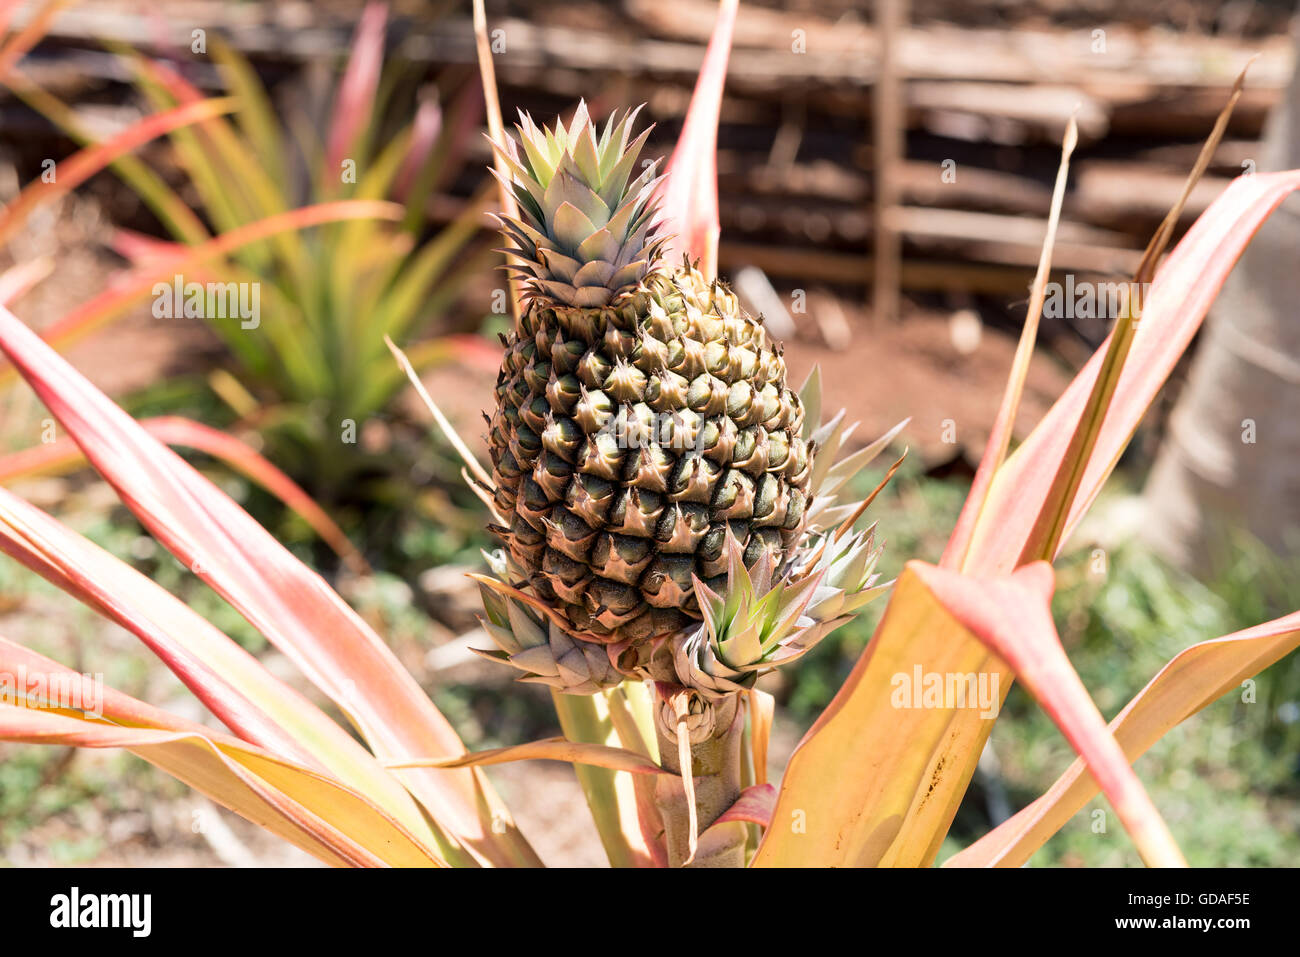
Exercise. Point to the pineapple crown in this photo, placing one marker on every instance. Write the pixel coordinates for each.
(587, 229)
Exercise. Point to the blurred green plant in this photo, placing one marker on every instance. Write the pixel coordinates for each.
(315, 372)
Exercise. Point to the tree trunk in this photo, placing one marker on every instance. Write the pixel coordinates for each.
(1231, 460)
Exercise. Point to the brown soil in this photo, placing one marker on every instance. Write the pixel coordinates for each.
(130, 353)
(912, 369)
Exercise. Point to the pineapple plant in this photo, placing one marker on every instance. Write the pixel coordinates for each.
(731, 499)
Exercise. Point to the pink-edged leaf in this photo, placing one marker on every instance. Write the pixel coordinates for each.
(689, 193)
(215, 155)
(18, 280)
(142, 249)
(289, 603)
(425, 130)
(1011, 615)
(178, 431)
(79, 167)
(1195, 678)
(921, 797)
(165, 202)
(873, 777)
(138, 283)
(1173, 308)
(192, 759)
(63, 454)
(754, 806)
(496, 133)
(309, 809)
(31, 34)
(7, 8)
(557, 748)
(466, 116)
(221, 674)
(355, 105)
(253, 703)
(1181, 294)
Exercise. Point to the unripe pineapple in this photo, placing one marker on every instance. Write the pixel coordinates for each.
(641, 412)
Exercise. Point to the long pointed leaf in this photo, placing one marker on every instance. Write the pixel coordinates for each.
(309, 809)
(290, 604)
(235, 687)
(192, 759)
(1178, 300)
(75, 170)
(165, 202)
(859, 789)
(1012, 616)
(690, 191)
(90, 315)
(924, 794)
(1195, 678)
(356, 96)
(63, 455)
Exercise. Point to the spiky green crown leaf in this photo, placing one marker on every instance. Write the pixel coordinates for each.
(587, 229)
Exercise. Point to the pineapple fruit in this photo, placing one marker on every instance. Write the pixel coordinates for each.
(670, 509)
(643, 420)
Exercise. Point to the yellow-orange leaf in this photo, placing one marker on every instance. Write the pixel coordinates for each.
(859, 791)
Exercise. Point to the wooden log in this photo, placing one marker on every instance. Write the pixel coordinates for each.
(839, 54)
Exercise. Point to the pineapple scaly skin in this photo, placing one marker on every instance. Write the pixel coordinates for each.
(641, 414)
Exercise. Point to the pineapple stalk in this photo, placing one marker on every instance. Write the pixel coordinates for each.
(715, 731)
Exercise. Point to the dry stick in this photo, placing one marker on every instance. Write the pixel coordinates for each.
(496, 129)
(862, 506)
(889, 147)
(1000, 438)
(484, 494)
(448, 430)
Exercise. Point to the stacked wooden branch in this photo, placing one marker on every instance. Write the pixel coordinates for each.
(985, 107)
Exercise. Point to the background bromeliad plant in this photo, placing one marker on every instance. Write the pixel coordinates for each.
(338, 292)
(310, 379)
(674, 769)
